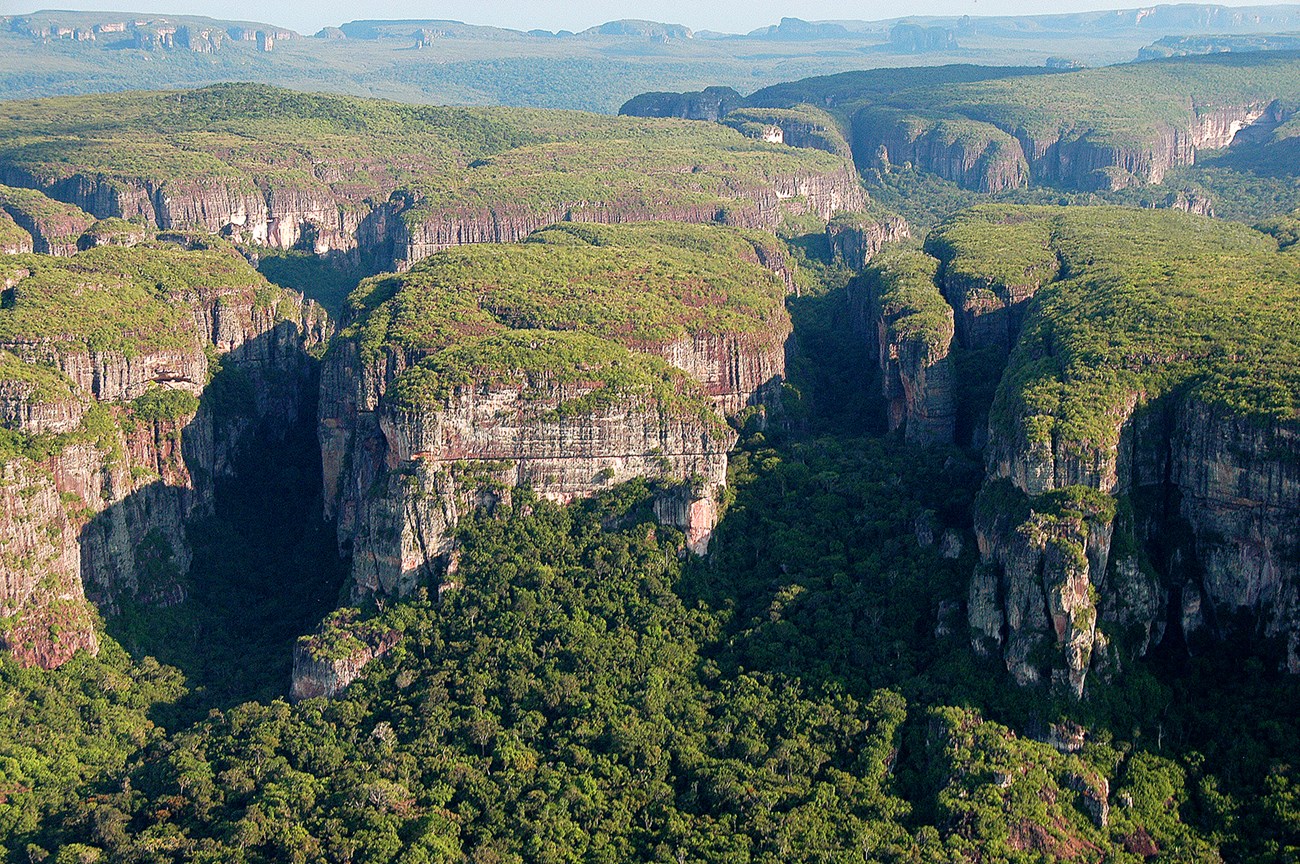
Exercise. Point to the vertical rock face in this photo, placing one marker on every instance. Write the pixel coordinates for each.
(483, 440)
(1113, 518)
(117, 447)
(331, 659)
(416, 434)
(900, 310)
(989, 288)
(1005, 137)
(45, 616)
(856, 238)
(393, 184)
(53, 227)
(971, 153)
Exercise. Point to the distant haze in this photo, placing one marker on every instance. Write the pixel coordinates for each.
(726, 15)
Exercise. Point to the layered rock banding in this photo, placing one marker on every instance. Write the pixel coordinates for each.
(53, 227)
(995, 130)
(108, 445)
(1142, 455)
(583, 358)
(391, 183)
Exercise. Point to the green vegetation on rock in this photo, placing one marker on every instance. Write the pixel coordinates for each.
(1145, 302)
(113, 298)
(905, 283)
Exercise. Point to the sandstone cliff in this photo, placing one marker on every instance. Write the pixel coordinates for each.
(855, 238)
(111, 441)
(1128, 503)
(13, 239)
(488, 387)
(970, 153)
(903, 315)
(396, 183)
(54, 227)
(332, 658)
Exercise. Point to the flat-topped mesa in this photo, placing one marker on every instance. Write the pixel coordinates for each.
(588, 356)
(911, 327)
(1100, 129)
(1143, 444)
(107, 444)
(388, 184)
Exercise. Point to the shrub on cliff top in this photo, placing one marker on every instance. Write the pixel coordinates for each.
(630, 287)
(114, 298)
(903, 282)
(1144, 302)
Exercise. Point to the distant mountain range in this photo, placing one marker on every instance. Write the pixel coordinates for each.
(439, 61)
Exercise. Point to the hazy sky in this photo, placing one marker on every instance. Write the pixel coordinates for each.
(736, 16)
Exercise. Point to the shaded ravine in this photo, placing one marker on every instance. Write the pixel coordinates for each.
(265, 570)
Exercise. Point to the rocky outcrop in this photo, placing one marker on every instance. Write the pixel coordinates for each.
(407, 451)
(993, 141)
(968, 152)
(486, 439)
(114, 232)
(855, 238)
(902, 314)
(334, 657)
(54, 227)
(711, 103)
(1172, 517)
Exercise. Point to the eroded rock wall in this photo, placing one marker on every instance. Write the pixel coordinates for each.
(105, 508)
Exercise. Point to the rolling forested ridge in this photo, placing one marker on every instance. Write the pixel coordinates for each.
(891, 465)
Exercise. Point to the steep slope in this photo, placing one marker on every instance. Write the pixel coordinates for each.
(1142, 454)
(993, 129)
(388, 184)
(127, 378)
(580, 359)
(902, 314)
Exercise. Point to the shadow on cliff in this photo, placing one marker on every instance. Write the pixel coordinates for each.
(831, 369)
(263, 563)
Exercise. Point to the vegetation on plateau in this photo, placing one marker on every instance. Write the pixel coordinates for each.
(1145, 302)
(574, 304)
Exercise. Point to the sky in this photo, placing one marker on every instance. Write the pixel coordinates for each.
(733, 16)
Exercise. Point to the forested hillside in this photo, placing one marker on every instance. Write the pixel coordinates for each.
(383, 483)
